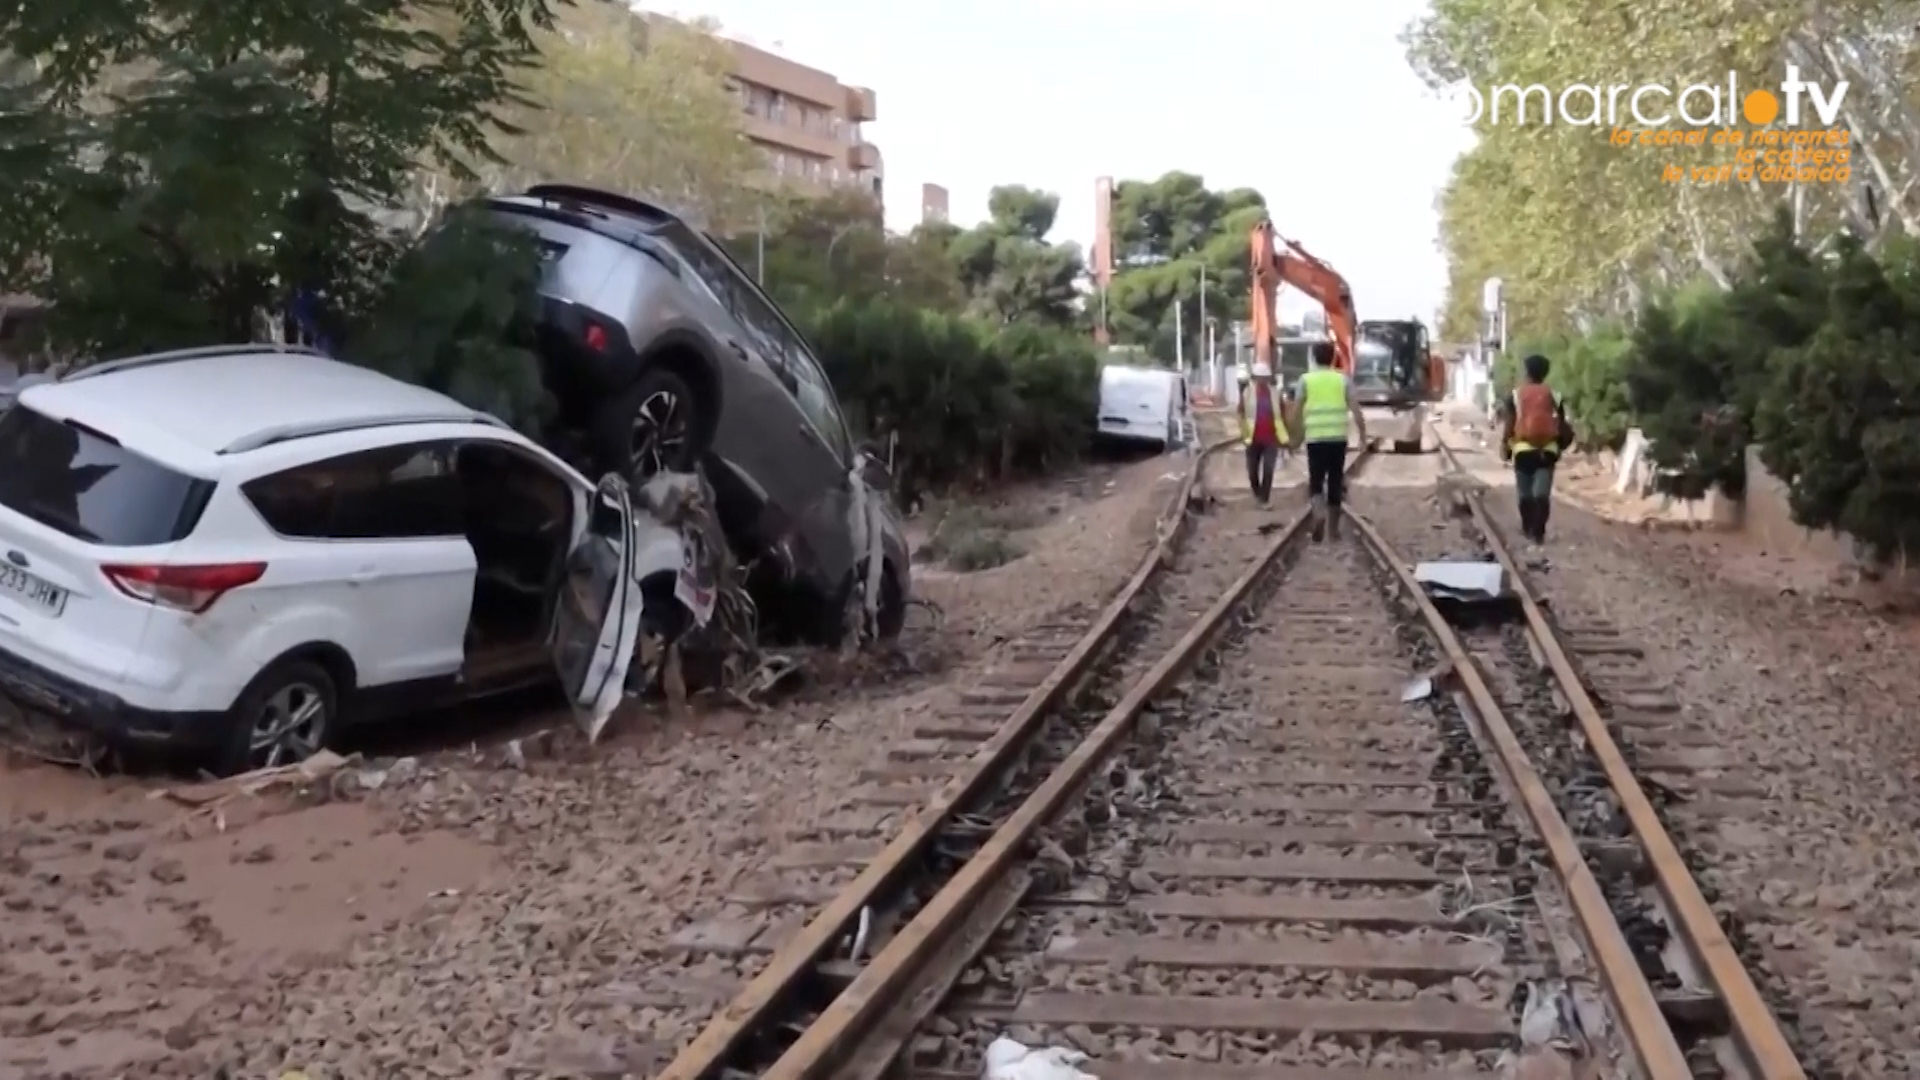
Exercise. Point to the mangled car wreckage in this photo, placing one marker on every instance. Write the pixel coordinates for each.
(665, 355)
(241, 550)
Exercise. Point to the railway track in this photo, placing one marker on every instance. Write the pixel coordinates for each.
(1257, 860)
(734, 985)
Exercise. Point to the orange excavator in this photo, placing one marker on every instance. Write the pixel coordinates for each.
(1272, 268)
(1390, 361)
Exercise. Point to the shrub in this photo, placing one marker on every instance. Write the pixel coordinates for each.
(1812, 357)
(966, 401)
(1839, 417)
(1699, 361)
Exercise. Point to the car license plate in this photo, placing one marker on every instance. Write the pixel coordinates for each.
(34, 590)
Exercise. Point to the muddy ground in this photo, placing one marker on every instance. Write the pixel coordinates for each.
(455, 915)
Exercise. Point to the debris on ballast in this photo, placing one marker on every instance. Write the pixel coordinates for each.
(711, 644)
(1010, 1060)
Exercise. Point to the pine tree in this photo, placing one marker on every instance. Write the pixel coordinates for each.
(1839, 421)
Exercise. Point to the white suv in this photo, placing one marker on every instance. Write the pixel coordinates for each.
(238, 550)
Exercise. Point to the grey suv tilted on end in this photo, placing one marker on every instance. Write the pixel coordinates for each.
(663, 352)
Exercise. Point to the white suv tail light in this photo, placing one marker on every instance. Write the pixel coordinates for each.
(192, 589)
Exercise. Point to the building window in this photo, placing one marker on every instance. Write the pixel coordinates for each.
(778, 110)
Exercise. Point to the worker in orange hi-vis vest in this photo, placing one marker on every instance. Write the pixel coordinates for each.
(1533, 434)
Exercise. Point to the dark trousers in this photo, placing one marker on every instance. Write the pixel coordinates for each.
(1533, 480)
(1260, 460)
(1327, 472)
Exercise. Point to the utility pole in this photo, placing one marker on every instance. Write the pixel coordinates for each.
(760, 249)
(1203, 311)
(1179, 338)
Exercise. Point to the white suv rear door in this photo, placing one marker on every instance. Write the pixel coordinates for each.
(597, 616)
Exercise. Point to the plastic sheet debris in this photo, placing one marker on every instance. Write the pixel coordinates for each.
(1462, 580)
(1468, 591)
(1564, 1015)
(1010, 1060)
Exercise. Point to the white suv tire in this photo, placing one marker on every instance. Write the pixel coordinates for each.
(293, 707)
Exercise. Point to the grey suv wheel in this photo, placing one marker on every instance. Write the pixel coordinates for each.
(654, 426)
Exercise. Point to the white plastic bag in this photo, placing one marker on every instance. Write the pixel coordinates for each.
(1009, 1060)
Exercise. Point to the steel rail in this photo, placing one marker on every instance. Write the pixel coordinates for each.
(1646, 1028)
(842, 1024)
(787, 968)
(1754, 1030)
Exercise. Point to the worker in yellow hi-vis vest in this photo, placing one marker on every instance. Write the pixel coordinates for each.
(1326, 405)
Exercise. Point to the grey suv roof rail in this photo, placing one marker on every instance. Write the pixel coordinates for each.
(174, 355)
(605, 200)
(283, 433)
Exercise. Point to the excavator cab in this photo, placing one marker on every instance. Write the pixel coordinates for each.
(1393, 379)
(1390, 363)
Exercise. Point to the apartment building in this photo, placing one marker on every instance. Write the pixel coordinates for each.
(807, 122)
(933, 204)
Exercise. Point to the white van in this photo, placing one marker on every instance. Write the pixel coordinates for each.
(1145, 405)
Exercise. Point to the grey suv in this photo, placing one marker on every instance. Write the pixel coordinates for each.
(663, 352)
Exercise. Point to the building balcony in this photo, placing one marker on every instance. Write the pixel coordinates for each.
(861, 105)
(863, 156)
(766, 130)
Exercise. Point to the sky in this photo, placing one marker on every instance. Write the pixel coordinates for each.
(1311, 104)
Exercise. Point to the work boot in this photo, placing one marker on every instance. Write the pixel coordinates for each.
(1317, 520)
(1333, 524)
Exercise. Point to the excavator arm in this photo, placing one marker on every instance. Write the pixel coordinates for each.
(1275, 262)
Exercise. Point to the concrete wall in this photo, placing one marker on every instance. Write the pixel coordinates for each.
(1764, 517)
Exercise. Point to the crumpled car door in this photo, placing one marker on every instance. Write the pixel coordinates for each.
(597, 614)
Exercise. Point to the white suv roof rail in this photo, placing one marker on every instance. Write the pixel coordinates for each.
(282, 433)
(174, 355)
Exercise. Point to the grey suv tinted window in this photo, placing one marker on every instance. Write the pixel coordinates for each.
(711, 269)
(85, 484)
(389, 493)
(775, 341)
(815, 395)
(756, 315)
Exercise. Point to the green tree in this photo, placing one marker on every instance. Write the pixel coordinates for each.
(1008, 269)
(1168, 234)
(823, 248)
(248, 157)
(1582, 230)
(637, 104)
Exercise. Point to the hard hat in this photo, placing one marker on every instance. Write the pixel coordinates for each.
(1262, 371)
(1242, 373)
